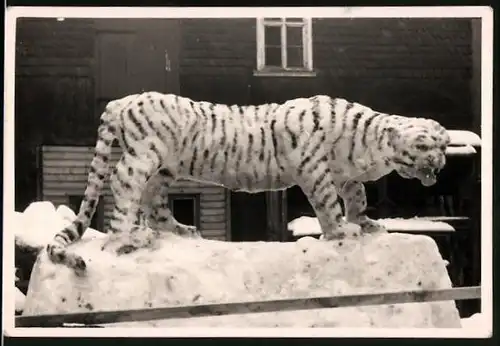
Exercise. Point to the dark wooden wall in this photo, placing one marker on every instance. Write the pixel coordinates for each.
(53, 94)
(217, 59)
(416, 67)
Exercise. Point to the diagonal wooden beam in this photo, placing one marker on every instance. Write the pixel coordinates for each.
(105, 317)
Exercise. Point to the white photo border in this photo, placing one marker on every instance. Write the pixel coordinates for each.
(481, 12)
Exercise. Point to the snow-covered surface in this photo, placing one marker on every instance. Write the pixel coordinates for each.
(306, 225)
(461, 150)
(40, 221)
(415, 224)
(473, 322)
(181, 271)
(19, 300)
(461, 137)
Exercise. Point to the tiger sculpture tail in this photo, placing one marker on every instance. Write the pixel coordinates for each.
(98, 172)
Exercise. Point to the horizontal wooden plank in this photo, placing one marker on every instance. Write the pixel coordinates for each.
(213, 226)
(213, 197)
(65, 149)
(67, 155)
(66, 192)
(66, 170)
(53, 178)
(213, 204)
(75, 155)
(80, 174)
(213, 212)
(67, 163)
(219, 309)
(79, 181)
(70, 185)
(213, 232)
(212, 218)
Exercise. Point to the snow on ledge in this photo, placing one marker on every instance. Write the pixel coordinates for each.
(461, 137)
(462, 150)
(306, 225)
(416, 224)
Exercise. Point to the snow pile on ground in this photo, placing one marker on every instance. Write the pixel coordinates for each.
(19, 298)
(181, 271)
(472, 322)
(307, 225)
(34, 228)
(40, 221)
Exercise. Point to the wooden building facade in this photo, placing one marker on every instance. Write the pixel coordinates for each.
(67, 69)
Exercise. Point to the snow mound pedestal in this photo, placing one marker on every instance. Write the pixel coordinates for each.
(40, 221)
(184, 271)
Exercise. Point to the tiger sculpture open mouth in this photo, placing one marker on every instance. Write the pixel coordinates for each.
(427, 175)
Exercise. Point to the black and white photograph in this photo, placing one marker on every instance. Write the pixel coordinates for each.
(280, 171)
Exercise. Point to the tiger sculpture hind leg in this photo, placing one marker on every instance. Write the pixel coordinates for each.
(128, 181)
(155, 208)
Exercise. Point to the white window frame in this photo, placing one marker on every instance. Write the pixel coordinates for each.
(307, 55)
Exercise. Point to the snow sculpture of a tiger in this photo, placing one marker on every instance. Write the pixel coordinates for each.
(327, 146)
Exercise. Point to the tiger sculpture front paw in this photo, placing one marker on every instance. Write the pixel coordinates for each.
(186, 231)
(371, 226)
(344, 230)
(131, 240)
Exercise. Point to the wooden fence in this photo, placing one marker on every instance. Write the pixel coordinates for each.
(199, 310)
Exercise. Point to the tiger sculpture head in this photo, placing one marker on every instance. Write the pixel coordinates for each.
(420, 145)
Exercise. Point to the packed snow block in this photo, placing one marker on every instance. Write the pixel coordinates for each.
(19, 300)
(182, 271)
(40, 221)
(35, 227)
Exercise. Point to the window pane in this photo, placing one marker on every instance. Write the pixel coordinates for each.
(184, 210)
(273, 19)
(273, 36)
(295, 20)
(294, 57)
(273, 56)
(294, 36)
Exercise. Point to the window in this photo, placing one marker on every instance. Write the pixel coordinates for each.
(185, 208)
(284, 46)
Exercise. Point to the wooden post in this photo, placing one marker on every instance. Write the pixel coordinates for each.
(228, 215)
(276, 215)
(219, 309)
(39, 173)
(284, 216)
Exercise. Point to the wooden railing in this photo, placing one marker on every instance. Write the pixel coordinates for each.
(107, 317)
